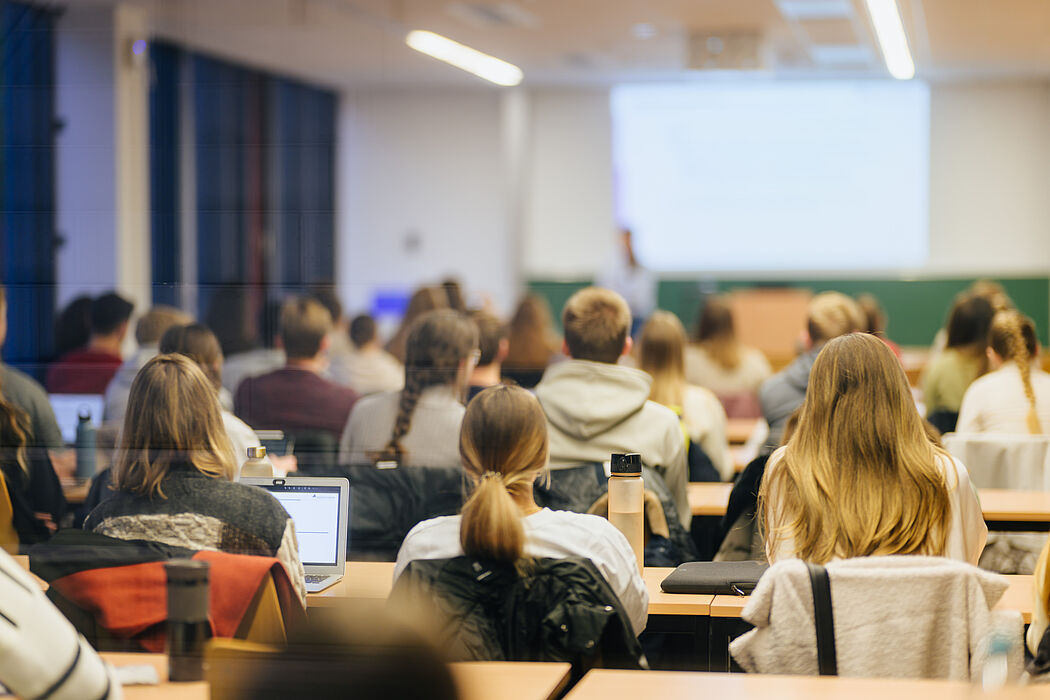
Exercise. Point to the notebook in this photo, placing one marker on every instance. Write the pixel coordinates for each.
(320, 508)
(68, 407)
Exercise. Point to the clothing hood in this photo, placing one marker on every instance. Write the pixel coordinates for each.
(583, 398)
(796, 375)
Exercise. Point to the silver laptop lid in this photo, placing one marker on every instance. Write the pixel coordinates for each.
(68, 407)
(320, 507)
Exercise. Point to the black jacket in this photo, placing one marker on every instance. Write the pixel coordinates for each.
(559, 610)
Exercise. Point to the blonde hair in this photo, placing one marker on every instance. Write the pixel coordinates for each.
(661, 353)
(304, 322)
(1012, 337)
(152, 325)
(1042, 579)
(831, 314)
(15, 425)
(173, 420)
(596, 322)
(530, 336)
(197, 342)
(503, 445)
(859, 476)
(716, 334)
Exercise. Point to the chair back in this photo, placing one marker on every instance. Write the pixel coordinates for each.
(8, 534)
(1003, 461)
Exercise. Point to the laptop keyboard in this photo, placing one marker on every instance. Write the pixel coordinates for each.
(315, 578)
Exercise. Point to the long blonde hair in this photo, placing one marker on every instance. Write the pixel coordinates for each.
(15, 425)
(503, 444)
(859, 476)
(1012, 337)
(661, 353)
(173, 419)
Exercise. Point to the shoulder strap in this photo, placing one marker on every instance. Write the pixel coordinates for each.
(827, 661)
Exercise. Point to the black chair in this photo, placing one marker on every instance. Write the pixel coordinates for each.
(317, 452)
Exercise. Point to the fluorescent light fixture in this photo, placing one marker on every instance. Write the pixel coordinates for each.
(471, 60)
(894, 43)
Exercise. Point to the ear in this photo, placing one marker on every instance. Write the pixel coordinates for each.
(995, 361)
(627, 346)
(806, 340)
(504, 348)
(325, 343)
(565, 349)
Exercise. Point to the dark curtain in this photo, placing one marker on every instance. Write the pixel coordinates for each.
(27, 181)
(164, 113)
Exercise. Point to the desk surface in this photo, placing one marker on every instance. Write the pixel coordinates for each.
(671, 685)
(163, 691)
(738, 430)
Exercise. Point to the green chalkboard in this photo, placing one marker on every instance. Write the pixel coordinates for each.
(916, 308)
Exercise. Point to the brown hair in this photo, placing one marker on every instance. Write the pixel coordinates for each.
(15, 425)
(152, 325)
(438, 343)
(874, 315)
(715, 333)
(661, 353)
(859, 477)
(423, 300)
(304, 323)
(596, 322)
(1012, 337)
(503, 444)
(173, 418)
(831, 314)
(490, 332)
(197, 342)
(530, 335)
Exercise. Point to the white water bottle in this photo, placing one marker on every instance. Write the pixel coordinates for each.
(257, 464)
(627, 500)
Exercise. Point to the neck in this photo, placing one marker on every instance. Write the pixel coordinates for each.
(489, 375)
(315, 364)
(105, 343)
(525, 501)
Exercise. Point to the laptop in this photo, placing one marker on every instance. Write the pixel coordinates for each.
(320, 508)
(68, 407)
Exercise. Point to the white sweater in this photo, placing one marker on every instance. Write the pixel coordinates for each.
(995, 403)
(39, 648)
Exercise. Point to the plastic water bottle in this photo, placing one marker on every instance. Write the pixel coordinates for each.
(257, 464)
(188, 627)
(995, 673)
(85, 446)
(627, 501)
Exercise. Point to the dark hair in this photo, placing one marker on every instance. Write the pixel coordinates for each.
(230, 317)
(454, 295)
(73, 326)
(438, 341)
(108, 312)
(362, 330)
(490, 331)
(197, 342)
(716, 333)
(969, 321)
(330, 300)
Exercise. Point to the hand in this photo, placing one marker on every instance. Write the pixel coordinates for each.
(48, 521)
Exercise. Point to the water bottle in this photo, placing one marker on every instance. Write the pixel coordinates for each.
(627, 500)
(257, 464)
(188, 627)
(85, 446)
(995, 672)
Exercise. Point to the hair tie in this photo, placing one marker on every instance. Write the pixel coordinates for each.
(491, 475)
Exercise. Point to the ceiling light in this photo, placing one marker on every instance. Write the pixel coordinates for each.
(471, 60)
(643, 31)
(892, 40)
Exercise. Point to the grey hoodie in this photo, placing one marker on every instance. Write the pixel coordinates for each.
(594, 409)
(782, 393)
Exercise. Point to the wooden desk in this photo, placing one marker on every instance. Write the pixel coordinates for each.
(163, 691)
(480, 680)
(738, 430)
(604, 684)
(661, 603)
(709, 498)
(75, 490)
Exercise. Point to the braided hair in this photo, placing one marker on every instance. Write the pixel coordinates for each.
(1012, 337)
(437, 345)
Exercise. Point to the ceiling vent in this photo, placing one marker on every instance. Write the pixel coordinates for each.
(499, 15)
(731, 50)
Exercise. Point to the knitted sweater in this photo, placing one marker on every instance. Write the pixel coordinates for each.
(198, 512)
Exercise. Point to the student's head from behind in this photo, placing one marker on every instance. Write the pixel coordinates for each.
(504, 448)
(152, 325)
(859, 476)
(304, 325)
(596, 322)
(874, 316)
(173, 421)
(73, 326)
(492, 338)
(362, 331)
(197, 342)
(1012, 337)
(992, 292)
(327, 297)
(110, 314)
(968, 322)
(661, 353)
(715, 321)
(831, 314)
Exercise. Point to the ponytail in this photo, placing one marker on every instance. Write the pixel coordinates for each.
(491, 527)
(1012, 337)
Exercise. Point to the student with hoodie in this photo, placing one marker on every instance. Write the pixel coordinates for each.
(829, 315)
(595, 407)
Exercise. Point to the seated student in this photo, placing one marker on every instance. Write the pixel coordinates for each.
(595, 407)
(504, 448)
(418, 425)
(532, 344)
(492, 347)
(875, 316)
(947, 376)
(296, 397)
(148, 331)
(829, 315)
(41, 654)
(423, 300)
(198, 343)
(661, 354)
(1015, 396)
(173, 475)
(860, 477)
(89, 370)
(73, 326)
(248, 338)
(366, 367)
(716, 360)
(1037, 639)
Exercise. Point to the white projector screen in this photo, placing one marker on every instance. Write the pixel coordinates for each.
(774, 176)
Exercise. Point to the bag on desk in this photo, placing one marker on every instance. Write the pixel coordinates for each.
(715, 577)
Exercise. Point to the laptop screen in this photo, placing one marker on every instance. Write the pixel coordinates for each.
(68, 406)
(315, 511)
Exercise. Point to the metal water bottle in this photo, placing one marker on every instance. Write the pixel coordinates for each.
(257, 464)
(627, 500)
(85, 446)
(188, 626)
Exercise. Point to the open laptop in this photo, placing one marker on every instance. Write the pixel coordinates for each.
(68, 407)
(320, 508)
